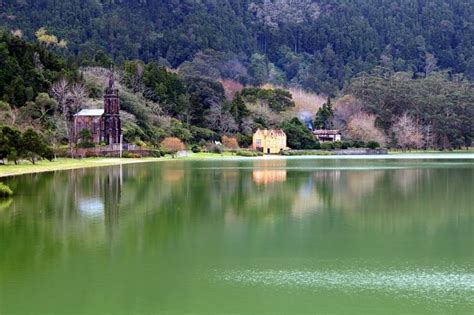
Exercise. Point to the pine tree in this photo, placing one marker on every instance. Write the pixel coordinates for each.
(324, 116)
(238, 109)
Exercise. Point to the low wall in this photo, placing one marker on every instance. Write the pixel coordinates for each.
(354, 151)
(360, 151)
(111, 151)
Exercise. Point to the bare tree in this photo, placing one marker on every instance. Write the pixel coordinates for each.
(344, 109)
(430, 63)
(408, 133)
(231, 88)
(77, 97)
(247, 126)
(37, 61)
(60, 91)
(220, 120)
(262, 112)
(362, 127)
(70, 99)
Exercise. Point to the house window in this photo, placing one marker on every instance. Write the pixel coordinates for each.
(258, 142)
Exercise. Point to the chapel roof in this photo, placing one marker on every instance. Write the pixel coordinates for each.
(90, 112)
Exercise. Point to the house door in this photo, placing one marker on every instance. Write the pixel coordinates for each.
(268, 151)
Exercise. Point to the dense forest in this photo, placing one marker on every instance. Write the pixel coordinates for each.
(389, 73)
(318, 45)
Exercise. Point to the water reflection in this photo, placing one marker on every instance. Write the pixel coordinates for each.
(91, 207)
(269, 171)
(156, 226)
(98, 197)
(307, 200)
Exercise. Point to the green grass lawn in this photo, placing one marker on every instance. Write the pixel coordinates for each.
(25, 167)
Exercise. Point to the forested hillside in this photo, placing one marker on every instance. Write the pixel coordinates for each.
(397, 73)
(318, 45)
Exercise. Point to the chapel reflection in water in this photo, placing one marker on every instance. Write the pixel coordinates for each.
(97, 194)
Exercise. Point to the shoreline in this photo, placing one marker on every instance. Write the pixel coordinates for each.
(63, 164)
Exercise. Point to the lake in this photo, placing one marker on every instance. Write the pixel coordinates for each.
(353, 235)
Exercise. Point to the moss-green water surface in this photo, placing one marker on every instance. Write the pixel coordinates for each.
(263, 236)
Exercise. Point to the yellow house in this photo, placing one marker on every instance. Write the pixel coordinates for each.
(269, 141)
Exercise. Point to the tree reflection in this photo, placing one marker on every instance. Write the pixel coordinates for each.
(55, 215)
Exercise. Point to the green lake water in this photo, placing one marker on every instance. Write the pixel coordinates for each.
(246, 236)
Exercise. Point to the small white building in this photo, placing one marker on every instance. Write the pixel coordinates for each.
(327, 135)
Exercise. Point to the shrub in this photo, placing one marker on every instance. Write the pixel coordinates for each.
(373, 145)
(327, 146)
(195, 149)
(156, 153)
(358, 144)
(337, 145)
(214, 148)
(86, 145)
(346, 145)
(5, 191)
(244, 140)
(140, 143)
(131, 155)
(202, 134)
(230, 142)
(90, 153)
(249, 153)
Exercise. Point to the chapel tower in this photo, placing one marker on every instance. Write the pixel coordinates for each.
(112, 126)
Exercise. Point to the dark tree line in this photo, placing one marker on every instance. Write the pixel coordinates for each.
(319, 45)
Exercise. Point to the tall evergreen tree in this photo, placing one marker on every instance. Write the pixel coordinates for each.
(324, 116)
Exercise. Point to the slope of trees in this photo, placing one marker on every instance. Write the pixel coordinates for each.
(27, 69)
(435, 111)
(319, 45)
(398, 109)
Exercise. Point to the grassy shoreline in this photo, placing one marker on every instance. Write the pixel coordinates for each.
(69, 164)
(66, 164)
(25, 167)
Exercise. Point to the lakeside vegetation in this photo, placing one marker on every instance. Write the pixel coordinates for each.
(5, 191)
